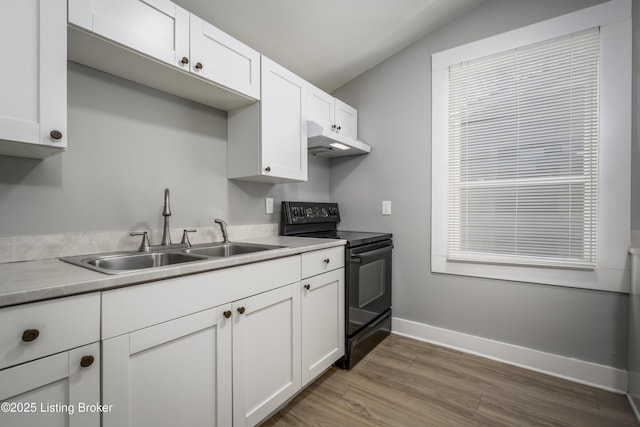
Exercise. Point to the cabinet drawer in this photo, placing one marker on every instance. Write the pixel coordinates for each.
(318, 262)
(39, 329)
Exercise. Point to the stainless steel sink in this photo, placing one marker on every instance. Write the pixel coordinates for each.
(229, 249)
(122, 262)
(142, 260)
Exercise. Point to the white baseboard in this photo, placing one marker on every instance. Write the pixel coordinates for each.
(580, 371)
(633, 406)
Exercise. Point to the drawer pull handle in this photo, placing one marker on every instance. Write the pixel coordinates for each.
(307, 287)
(30, 335)
(327, 260)
(227, 314)
(86, 361)
(55, 134)
(184, 60)
(199, 66)
(241, 310)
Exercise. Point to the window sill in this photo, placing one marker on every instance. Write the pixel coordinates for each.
(604, 278)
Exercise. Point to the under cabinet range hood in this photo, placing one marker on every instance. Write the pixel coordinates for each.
(324, 142)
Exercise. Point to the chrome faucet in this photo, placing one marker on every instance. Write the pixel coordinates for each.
(223, 227)
(166, 213)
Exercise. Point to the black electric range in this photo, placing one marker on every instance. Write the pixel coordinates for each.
(367, 273)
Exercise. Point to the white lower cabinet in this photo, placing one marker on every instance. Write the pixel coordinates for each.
(266, 353)
(174, 373)
(322, 321)
(222, 348)
(50, 363)
(55, 391)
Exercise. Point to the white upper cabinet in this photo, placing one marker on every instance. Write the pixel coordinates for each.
(346, 119)
(158, 28)
(321, 107)
(332, 113)
(33, 81)
(219, 57)
(268, 141)
(161, 45)
(284, 151)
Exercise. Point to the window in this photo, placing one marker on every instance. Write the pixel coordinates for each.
(523, 141)
(529, 127)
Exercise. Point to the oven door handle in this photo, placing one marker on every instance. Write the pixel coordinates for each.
(365, 256)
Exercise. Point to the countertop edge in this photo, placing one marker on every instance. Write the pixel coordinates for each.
(32, 281)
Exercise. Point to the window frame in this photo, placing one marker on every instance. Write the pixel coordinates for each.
(615, 126)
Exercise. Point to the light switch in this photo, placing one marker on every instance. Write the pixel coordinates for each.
(268, 205)
(386, 207)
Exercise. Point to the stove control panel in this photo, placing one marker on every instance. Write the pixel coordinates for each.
(309, 212)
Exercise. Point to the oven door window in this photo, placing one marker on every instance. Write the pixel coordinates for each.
(371, 286)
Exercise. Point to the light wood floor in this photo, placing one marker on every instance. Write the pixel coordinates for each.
(404, 382)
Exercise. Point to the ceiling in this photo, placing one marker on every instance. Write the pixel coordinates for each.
(328, 42)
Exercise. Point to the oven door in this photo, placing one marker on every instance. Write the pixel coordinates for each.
(368, 284)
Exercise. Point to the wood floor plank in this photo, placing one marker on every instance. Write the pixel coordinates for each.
(490, 376)
(418, 403)
(404, 382)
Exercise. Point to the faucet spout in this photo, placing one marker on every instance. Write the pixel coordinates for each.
(166, 213)
(223, 228)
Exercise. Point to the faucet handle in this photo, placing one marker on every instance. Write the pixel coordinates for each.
(185, 236)
(144, 245)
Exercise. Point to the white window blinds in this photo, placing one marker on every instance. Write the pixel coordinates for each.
(523, 155)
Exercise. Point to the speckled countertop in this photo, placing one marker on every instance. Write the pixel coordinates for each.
(29, 281)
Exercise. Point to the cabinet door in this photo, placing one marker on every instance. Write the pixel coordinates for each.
(168, 373)
(322, 322)
(53, 391)
(157, 28)
(33, 80)
(266, 353)
(320, 107)
(223, 59)
(283, 123)
(346, 119)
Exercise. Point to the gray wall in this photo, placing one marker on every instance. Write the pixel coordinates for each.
(127, 143)
(394, 107)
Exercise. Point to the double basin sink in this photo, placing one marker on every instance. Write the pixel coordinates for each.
(123, 262)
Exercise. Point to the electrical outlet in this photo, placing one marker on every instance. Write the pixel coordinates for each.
(268, 205)
(386, 207)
